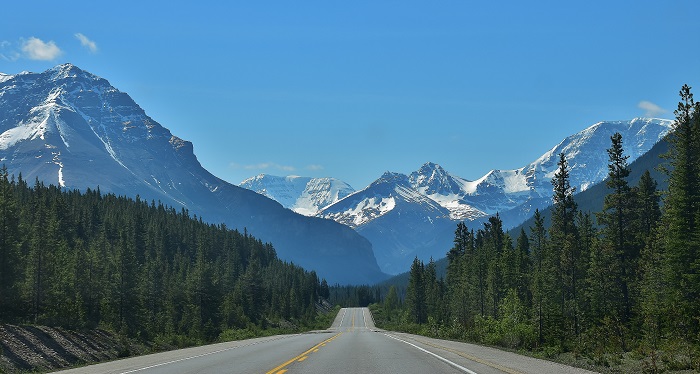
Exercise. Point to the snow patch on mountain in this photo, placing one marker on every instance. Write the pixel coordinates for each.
(72, 129)
(5, 77)
(303, 195)
(419, 197)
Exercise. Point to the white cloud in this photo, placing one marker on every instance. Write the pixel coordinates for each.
(314, 167)
(7, 53)
(87, 43)
(37, 49)
(263, 166)
(651, 109)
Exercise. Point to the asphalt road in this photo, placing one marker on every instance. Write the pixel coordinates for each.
(351, 345)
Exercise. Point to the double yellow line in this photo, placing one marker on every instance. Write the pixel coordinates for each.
(280, 369)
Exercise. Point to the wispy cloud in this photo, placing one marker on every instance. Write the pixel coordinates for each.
(37, 49)
(314, 167)
(651, 109)
(263, 166)
(6, 53)
(86, 42)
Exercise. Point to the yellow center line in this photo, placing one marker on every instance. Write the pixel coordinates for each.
(302, 358)
(278, 369)
(470, 357)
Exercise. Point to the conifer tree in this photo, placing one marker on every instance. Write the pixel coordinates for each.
(415, 293)
(544, 277)
(459, 275)
(681, 235)
(564, 241)
(523, 268)
(648, 211)
(9, 249)
(391, 302)
(494, 245)
(618, 222)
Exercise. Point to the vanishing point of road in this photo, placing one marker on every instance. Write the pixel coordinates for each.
(351, 345)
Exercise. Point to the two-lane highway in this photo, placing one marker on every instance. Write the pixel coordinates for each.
(351, 345)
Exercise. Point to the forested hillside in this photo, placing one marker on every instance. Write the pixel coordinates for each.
(624, 280)
(144, 270)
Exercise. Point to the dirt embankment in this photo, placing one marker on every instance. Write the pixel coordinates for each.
(40, 348)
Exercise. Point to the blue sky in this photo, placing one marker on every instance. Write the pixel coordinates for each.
(355, 88)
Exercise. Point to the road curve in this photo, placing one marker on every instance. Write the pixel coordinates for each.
(351, 345)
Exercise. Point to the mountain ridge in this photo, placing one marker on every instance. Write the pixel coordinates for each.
(70, 128)
(444, 199)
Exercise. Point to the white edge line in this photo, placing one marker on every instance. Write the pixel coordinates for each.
(460, 367)
(345, 310)
(192, 357)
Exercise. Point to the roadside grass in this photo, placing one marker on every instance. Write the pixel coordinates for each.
(675, 360)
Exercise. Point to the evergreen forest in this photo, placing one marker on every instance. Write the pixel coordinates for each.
(144, 271)
(598, 285)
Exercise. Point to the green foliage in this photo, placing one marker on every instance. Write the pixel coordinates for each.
(680, 238)
(391, 303)
(626, 285)
(87, 260)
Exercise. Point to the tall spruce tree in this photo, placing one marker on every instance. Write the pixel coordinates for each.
(681, 237)
(494, 246)
(9, 249)
(415, 293)
(457, 259)
(544, 277)
(618, 223)
(564, 241)
(648, 211)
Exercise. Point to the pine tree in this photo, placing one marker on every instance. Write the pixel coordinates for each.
(544, 277)
(618, 222)
(681, 237)
(494, 246)
(459, 285)
(9, 249)
(564, 241)
(523, 268)
(648, 212)
(415, 293)
(391, 303)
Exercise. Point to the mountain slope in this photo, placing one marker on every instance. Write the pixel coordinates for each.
(70, 128)
(590, 200)
(443, 199)
(399, 221)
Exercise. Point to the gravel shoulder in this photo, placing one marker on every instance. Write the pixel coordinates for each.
(41, 348)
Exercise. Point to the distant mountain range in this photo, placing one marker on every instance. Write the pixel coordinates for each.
(415, 215)
(70, 128)
(303, 195)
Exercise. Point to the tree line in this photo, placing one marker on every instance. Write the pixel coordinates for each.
(624, 279)
(91, 260)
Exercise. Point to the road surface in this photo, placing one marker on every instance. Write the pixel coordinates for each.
(351, 345)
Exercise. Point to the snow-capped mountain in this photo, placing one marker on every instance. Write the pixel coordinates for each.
(438, 199)
(399, 220)
(70, 128)
(303, 195)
